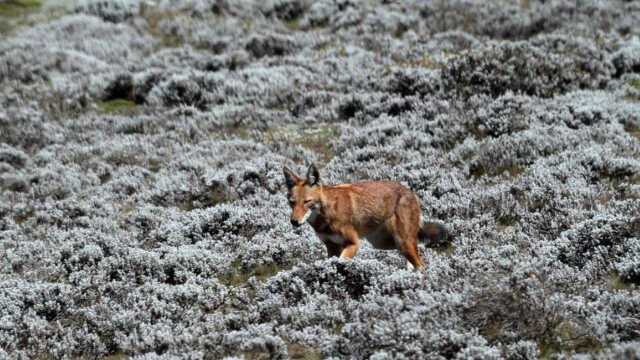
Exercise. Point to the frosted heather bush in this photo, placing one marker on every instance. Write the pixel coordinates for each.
(142, 203)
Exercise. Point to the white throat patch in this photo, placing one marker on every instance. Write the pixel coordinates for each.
(309, 215)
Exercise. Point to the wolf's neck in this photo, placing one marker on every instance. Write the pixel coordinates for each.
(318, 222)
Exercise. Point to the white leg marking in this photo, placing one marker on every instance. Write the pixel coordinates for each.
(410, 266)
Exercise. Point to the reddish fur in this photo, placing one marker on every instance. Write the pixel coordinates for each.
(353, 211)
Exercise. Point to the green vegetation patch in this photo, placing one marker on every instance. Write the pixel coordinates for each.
(115, 106)
(13, 13)
(444, 249)
(215, 194)
(11, 8)
(239, 275)
(478, 170)
(295, 350)
(293, 24)
(616, 282)
(567, 338)
(506, 220)
(23, 216)
(317, 139)
(633, 130)
(303, 352)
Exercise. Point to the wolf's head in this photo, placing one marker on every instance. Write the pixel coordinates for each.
(303, 194)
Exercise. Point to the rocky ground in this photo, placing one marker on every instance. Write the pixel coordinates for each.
(142, 202)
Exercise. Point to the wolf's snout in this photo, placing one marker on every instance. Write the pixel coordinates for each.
(295, 222)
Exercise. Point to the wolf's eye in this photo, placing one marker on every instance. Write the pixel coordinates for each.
(308, 202)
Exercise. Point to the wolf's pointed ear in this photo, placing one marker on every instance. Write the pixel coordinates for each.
(290, 178)
(313, 175)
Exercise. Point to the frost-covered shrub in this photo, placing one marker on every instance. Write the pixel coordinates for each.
(13, 156)
(284, 9)
(629, 264)
(545, 67)
(121, 87)
(596, 240)
(270, 45)
(69, 45)
(27, 128)
(112, 11)
(178, 91)
(506, 115)
(501, 20)
(627, 58)
(415, 82)
(143, 210)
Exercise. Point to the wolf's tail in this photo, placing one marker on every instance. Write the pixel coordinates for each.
(435, 234)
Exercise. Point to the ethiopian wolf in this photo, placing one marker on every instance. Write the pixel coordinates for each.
(386, 213)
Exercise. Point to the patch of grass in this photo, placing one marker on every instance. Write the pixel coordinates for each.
(478, 170)
(316, 139)
(319, 140)
(615, 282)
(116, 106)
(337, 328)
(233, 131)
(18, 7)
(23, 216)
(427, 62)
(302, 352)
(153, 18)
(118, 356)
(154, 164)
(324, 46)
(505, 220)
(214, 195)
(170, 41)
(492, 330)
(633, 130)
(293, 24)
(445, 250)
(632, 94)
(240, 276)
(14, 13)
(566, 338)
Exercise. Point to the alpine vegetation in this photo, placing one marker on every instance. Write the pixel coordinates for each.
(144, 210)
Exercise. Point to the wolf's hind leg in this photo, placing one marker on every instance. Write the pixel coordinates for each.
(406, 223)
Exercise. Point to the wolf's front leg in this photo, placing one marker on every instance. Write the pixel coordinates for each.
(351, 243)
(333, 249)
